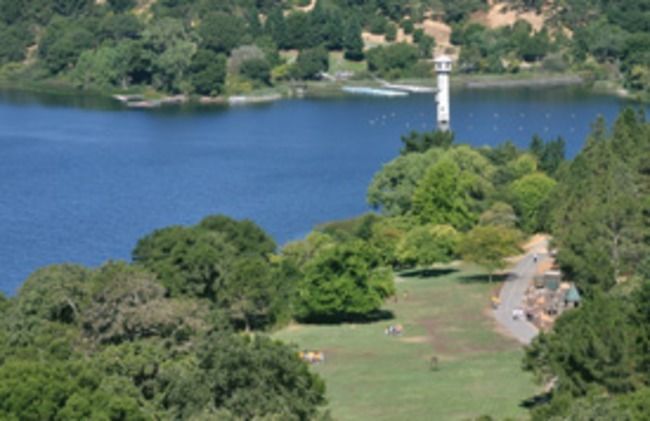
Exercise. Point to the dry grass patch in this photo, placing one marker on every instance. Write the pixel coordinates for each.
(501, 14)
(440, 31)
(415, 340)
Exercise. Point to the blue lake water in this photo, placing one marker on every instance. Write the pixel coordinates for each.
(82, 179)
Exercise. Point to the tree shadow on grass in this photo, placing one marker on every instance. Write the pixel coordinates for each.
(375, 316)
(536, 400)
(426, 272)
(483, 278)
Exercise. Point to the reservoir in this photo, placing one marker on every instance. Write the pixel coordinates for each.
(82, 179)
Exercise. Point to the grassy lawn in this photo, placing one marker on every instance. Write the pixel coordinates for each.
(339, 64)
(373, 376)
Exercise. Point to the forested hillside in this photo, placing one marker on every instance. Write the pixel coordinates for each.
(212, 47)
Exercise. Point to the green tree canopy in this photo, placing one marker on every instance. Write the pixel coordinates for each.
(598, 217)
(128, 304)
(221, 33)
(392, 188)
(428, 244)
(241, 377)
(104, 67)
(422, 142)
(488, 246)
(343, 282)
(62, 44)
(310, 63)
(16, 39)
(591, 350)
(258, 70)
(208, 70)
(120, 6)
(302, 251)
(499, 214)
(39, 390)
(352, 41)
(245, 235)
(392, 61)
(70, 7)
(55, 293)
(171, 48)
(443, 195)
(222, 260)
(530, 194)
(120, 27)
(387, 233)
(521, 166)
(550, 155)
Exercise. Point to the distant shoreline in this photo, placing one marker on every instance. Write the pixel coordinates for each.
(543, 81)
(318, 89)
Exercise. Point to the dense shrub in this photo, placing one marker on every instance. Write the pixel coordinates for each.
(345, 282)
(392, 61)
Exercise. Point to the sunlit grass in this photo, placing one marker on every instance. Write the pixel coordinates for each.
(372, 376)
(339, 64)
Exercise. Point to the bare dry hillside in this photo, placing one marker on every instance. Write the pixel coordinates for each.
(502, 14)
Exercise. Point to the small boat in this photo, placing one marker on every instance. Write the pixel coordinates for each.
(365, 90)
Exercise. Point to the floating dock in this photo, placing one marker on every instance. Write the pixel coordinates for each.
(252, 99)
(413, 89)
(139, 101)
(366, 90)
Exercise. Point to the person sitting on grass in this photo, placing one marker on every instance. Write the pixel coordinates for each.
(394, 330)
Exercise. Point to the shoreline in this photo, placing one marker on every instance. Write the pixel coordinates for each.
(568, 80)
(136, 99)
(214, 112)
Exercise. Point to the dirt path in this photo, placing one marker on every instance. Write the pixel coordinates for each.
(512, 292)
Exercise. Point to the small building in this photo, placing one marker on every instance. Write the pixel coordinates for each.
(572, 298)
(552, 279)
(548, 297)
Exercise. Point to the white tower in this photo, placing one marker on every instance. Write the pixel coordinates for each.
(443, 69)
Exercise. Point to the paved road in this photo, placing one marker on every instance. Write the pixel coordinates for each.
(512, 294)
